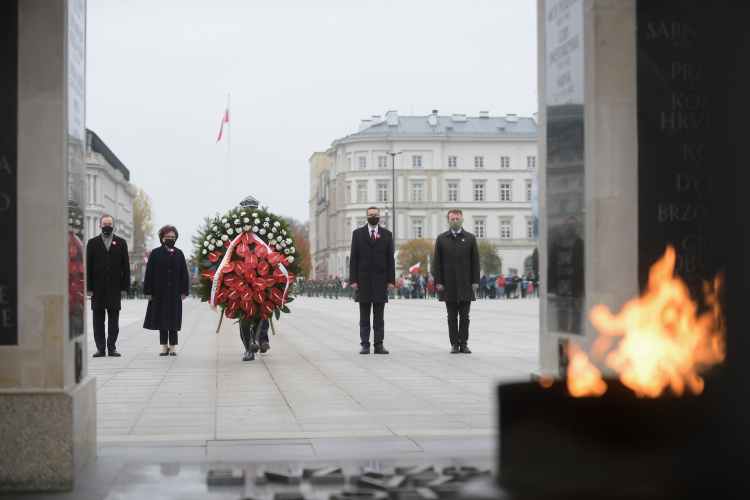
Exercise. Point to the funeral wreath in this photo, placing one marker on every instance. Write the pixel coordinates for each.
(247, 264)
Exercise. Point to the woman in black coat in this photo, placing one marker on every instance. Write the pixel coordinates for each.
(166, 286)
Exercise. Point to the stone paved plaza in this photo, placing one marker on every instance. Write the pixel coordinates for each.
(311, 398)
(313, 383)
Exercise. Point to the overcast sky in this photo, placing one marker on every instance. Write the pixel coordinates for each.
(300, 74)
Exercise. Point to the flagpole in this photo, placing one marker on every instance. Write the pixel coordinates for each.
(229, 156)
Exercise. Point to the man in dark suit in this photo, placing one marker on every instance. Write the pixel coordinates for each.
(372, 269)
(456, 274)
(107, 281)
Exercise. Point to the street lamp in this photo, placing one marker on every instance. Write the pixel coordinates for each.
(393, 190)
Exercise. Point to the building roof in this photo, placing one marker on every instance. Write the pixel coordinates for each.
(410, 126)
(95, 144)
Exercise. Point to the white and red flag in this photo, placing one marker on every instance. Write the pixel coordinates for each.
(224, 119)
(414, 268)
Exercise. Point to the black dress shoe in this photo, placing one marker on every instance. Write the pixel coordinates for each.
(99, 354)
(455, 349)
(365, 350)
(379, 349)
(465, 349)
(173, 353)
(264, 347)
(249, 356)
(115, 354)
(254, 347)
(164, 353)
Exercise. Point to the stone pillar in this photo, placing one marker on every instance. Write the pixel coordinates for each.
(47, 398)
(587, 69)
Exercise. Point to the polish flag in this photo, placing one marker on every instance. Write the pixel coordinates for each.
(414, 268)
(145, 260)
(346, 285)
(224, 119)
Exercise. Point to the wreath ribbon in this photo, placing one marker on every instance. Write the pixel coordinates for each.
(228, 255)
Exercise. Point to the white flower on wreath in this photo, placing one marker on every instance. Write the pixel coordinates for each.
(211, 248)
(276, 224)
(224, 237)
(283, 232)
(289, 241)
(206, 243)
(223, 221)
(213, 240)
(291, 249)
(204, 251)
(215, 228)
(246, 220)
(255, 214)
(290, 259)
(246, 228)
(286, 252)
(262, 232)
(265, 224)
(230, 231)
(267, 219)
(255, 229)
(237, 222)
(242, 213)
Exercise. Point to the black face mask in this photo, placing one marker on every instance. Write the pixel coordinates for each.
(107, 230)
(169, 242)
(373, 220)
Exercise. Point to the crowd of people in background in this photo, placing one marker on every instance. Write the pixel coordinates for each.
(135, 291)
(422, 286)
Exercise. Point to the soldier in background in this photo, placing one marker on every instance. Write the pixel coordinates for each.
(337, 286)
(318, 286)
(349, 287)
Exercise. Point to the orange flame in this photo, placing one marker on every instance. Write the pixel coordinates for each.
(584, 379)
(666, 341)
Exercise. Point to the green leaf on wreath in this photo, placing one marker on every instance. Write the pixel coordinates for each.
(276, 312)
(206, 263)
(285, 309)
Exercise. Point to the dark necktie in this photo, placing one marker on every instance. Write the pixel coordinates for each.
(372, 236)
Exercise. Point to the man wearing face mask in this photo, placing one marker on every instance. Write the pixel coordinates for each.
(107, 281)
(456, 274)
(372, 271)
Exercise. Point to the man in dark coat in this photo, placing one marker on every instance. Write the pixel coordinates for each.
(457, 278)
(107, 281)
(372, 271)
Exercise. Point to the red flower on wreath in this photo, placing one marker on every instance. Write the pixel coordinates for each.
(228, 267)
(260, 251)
(208, 275)
(259, 296)
(214, 256)
(263, 268)
(275, 295)
(266, 309)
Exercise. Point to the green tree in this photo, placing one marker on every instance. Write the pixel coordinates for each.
(489, 260)
(415, 252)
(535, 262)
(142, 220)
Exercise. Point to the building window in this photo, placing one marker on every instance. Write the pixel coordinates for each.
(504, 192)
(416, 229)
(362, 193)
(349, 229)
(479, 228)
(529, 229)
(360, 222)
(531, 162)
(479, 162)
(348, 194)
(416, 162)
(505, 162)
(349, 160)
(478, 192)
(452, 162)
(452, 192)
(362, 162)
(528, 191)
(505, 229)
(382, 192)
(382, 162)
(416, 192)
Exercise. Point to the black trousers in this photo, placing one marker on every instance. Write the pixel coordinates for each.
(246, 333)
(378, 324)
(458, 333)
(165, 336)
(113, 328)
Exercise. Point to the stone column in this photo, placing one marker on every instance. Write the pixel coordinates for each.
(601, 86)
(47, 398)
